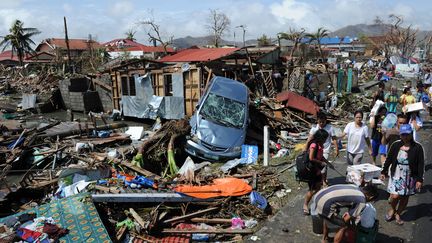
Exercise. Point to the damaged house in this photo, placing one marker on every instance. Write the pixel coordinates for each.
(129, 49)
(58, 47)
(9, 60)
(170, 87)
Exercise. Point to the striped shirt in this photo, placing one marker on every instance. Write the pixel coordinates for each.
(326, 201)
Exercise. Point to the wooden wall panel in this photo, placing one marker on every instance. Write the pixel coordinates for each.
(191, 89)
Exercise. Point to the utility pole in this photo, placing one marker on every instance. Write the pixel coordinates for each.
(67, 45)
(243, 27)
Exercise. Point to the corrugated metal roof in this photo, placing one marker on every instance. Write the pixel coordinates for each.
(199, 55)
(296, 101)
(331, 40)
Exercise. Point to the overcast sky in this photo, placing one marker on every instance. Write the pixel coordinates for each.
(110, 19)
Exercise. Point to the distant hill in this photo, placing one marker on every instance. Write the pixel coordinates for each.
(189, 41)
(357, 30)
(361, 29)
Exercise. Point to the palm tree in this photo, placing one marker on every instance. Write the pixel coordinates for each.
(317, 37)
(294, 36)
(19, 38)
(130, 35)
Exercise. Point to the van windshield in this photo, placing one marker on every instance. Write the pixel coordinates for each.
(223, 110)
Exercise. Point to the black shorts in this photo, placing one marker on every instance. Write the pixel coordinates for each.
(314, 181)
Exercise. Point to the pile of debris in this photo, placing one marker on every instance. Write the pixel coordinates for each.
(23, 81)
(137, 186)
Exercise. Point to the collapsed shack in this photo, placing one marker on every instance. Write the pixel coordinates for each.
(57, 162)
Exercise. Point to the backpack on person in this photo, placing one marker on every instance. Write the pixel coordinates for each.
(304, 166)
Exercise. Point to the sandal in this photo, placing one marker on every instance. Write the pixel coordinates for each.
(399, 221)
(388, 218)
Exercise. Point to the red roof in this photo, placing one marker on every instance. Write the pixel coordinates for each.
(7, 55)
(298, 102)
(74, 44)
(199, 55)
(130, 45)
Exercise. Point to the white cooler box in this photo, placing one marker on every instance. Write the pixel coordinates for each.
(364, 172)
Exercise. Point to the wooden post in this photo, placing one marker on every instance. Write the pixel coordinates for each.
(266, 145)
(67, 44)
(191, 91)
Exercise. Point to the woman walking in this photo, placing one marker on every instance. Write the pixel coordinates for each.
(358, 138)
(405, 167)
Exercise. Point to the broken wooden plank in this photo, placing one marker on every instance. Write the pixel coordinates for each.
(191, 215)
(140, 170)
(211, 221)
(298, 117)
(208, 231)
(145, 197)
(106, 189)
(254, 181)
(252, 174)
(37, 185)
(138, 218)
(121, 232)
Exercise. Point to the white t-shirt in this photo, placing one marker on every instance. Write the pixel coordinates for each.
(419, 123)
(356, 137)
(331, 133)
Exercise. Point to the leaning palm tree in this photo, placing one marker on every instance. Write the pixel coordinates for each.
(19, 39)
(316, 38)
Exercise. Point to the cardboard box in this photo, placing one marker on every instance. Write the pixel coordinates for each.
(414, 107)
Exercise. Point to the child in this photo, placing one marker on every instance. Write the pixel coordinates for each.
(376, 121)
(318, 162)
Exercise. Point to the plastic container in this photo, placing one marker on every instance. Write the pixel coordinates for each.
(389, 121)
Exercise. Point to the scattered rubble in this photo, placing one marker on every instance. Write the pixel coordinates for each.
(145, 186)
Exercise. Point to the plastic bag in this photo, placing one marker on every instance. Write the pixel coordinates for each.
(258, 200)
(232, 164)
(376, 107)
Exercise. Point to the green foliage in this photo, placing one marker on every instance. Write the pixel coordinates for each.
(130, 35)
(263, 41)
(19, 39)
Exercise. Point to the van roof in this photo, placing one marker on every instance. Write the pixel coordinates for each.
(229, 88)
